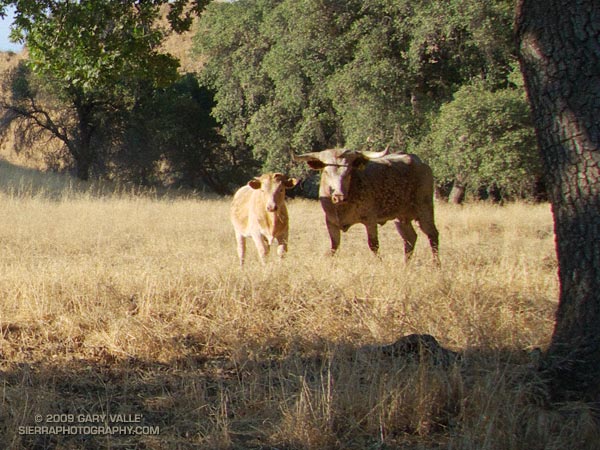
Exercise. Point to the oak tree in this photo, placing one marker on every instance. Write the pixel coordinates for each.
(483, 140)
(559, 52)
(97, 57)
(310, 75)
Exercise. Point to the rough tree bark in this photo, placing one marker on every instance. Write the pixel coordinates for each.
(559, 51)
(457, 194)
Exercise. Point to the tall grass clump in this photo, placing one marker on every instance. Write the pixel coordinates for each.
(126, 303)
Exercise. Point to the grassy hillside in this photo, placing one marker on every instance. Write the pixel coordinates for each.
(37, 154)
(134, 305)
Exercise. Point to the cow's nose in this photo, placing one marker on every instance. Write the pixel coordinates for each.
(338, 198)
(272, 207)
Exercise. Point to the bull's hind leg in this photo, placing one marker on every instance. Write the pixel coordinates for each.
(429, 228)
(427, 224)
(372, 237)
(408, 234)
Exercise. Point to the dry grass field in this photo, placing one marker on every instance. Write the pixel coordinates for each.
(126, 322)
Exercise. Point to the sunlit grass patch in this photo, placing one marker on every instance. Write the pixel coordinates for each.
(136, 303)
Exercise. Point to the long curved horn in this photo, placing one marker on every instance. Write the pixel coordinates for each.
(375, 155)
(305, 156)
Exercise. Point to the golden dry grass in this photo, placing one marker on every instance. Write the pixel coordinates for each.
(135, 304)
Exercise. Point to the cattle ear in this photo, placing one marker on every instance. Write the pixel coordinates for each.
(315, 164)
(290, 183)
(254, 183)
(360, 163)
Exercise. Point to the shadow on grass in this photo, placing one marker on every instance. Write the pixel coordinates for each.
(411, 394)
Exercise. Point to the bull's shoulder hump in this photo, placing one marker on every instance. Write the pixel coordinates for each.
(403, 158)
(396, 160)
(402, 163)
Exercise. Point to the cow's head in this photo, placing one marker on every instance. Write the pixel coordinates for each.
(272, 186)
(336, 166)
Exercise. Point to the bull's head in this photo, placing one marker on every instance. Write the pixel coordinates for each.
(336, 166)
(272, 187)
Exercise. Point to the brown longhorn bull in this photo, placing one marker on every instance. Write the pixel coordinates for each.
(372, 188)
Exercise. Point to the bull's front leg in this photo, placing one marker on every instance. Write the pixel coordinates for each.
(372, 237)
(334, 236)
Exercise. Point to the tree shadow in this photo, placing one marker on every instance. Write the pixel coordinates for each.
(330, 395)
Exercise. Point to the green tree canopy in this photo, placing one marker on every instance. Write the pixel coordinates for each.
(96, 56)
(171, 134)
(294, 75)
(484, 138)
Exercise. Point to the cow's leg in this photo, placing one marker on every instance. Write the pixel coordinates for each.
(429, 228)
(261, 246)
(282, 244)
(334, 236)
(408, 233)
(372, 237)
(241, 246)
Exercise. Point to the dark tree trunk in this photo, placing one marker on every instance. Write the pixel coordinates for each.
(457, 194)
(559, 51)
(82, 148)
(83, 168)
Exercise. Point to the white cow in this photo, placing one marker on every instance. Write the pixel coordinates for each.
(258, 211)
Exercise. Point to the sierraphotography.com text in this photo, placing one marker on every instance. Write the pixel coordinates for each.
(89, 424)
